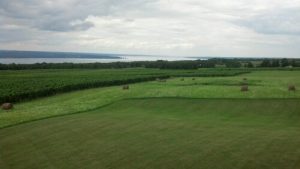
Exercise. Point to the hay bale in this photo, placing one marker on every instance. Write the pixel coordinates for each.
(292, 88)
(244, 88)
(161, 80)
(125, 87)
(7, 106)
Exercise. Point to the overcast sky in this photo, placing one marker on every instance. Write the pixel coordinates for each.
(243, 28)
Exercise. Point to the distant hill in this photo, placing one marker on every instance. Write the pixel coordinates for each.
(38, 54)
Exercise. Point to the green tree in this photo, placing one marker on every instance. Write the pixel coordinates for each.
(284, 62)
(249, 65)
(294, 63)
(275, 63)
(266, 63)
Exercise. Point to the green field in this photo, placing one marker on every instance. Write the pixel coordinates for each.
(20, 85)
(262, 84)
(162, 133)
(206, 122)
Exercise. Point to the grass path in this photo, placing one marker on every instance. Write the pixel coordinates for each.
(161, 133)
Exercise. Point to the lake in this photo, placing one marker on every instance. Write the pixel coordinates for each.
(29, 60)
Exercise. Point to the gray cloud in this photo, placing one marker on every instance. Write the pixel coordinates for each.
(285, 22)
(171, 27)
(59, 15)
(64, 26)
(8, 36)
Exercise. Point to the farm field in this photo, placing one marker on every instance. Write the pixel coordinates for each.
(20, 85)
(185, 122)
(262, 84)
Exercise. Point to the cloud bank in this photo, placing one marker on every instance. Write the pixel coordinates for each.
(259, 28)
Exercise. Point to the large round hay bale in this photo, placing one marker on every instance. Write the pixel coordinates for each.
(125, 87)
(292, 88)
(244, 88)
(7, 106)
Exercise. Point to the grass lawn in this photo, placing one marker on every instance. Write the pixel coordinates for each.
(161, 133)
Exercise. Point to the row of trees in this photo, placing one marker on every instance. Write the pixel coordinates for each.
(210, 63)
(280, 63)
(147, 64)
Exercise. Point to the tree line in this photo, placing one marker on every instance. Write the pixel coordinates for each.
(280, 63)
(161, 64)
(115, 65)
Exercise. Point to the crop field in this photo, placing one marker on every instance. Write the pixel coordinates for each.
(21, 85)
(187, 121)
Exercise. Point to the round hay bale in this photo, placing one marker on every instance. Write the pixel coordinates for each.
(7, 106)
(292, 88)
(244, 88)
(161, 80)
(125, 87)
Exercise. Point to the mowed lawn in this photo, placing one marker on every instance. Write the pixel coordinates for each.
(161, 133)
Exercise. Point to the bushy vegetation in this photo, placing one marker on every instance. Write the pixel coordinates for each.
(16, 86)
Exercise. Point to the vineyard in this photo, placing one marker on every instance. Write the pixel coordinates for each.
(16, 86)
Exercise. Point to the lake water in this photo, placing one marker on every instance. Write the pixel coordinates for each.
(89, 60)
